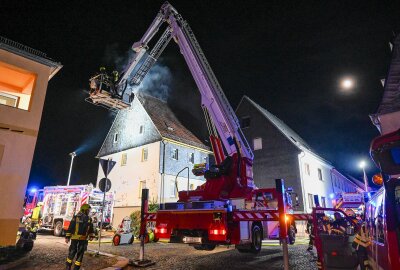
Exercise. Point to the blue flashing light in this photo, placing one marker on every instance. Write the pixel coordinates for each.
(32, 190)
(332, 195)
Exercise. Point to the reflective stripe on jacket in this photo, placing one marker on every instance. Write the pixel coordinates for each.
(36, 213)
(362, 238)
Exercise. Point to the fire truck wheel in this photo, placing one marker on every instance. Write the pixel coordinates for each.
(58, 228)
(256, 233)
(292, 235)
(131, 240)
(116, 240)
(155, 240)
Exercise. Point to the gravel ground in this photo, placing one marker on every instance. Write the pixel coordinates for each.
(180, 256)
(49, 252)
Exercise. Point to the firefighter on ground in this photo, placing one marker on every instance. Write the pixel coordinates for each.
(360, 244)
(35, 219)
(339, 225)
(79, 230)
(310, 231)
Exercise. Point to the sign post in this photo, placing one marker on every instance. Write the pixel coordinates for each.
(144, 209)
(280, 188)
(105, 186)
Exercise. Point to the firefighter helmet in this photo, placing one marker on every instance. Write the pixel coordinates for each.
(85, 207)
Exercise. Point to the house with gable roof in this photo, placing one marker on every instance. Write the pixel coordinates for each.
(151, 146)
(387, 117)
(279, 152)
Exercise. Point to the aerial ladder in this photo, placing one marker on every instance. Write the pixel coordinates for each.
(228, 209)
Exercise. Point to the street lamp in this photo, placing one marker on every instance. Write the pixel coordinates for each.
(73, 154)
(362, 165)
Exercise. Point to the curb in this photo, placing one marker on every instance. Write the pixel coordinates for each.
(120, 264)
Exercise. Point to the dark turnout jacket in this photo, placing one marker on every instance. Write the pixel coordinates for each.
(80, 228)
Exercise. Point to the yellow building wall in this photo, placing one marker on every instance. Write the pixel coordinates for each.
(18, 134)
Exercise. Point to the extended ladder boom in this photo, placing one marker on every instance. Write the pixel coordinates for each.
(213, 98)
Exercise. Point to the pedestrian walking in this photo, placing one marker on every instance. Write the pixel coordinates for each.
(79, 230)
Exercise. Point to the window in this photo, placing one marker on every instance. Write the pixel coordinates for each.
(9, 100)
(307, 168)
(142, 185)
(141, 129)
(323, 203)
(257, 143)
(174, 153)
(245, 122)
(124, 158)
(145, 154)
(115, 138)
(319, 174)
(310, 201)
(191, 158)
(16, 86)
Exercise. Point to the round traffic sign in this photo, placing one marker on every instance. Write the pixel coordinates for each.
(105, 184)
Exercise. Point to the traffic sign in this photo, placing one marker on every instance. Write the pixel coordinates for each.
(107, 165)
(105, 184)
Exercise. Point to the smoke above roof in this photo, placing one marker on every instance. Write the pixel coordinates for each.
(157, 81)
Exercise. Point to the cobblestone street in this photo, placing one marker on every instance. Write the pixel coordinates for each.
(179, 256)
(49, 252)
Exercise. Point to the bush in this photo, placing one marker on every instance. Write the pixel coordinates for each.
(135, 217)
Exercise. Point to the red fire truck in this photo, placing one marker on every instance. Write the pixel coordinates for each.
(382, 212)
(228, 209)
(60, 203)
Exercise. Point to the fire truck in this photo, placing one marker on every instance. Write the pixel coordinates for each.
(228, 209)
(382, 212)
(60, 203)
(352, 203)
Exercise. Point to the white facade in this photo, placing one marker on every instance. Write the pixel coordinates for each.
(138, 168)
(318, 177)
(315, 174)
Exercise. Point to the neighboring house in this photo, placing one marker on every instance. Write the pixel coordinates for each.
(150, 146)
(387, 117)
(24, 75)
(279, 152)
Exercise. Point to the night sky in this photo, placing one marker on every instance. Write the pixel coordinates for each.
(287, 56)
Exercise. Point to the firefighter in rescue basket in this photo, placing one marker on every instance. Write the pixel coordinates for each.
(79, 230)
